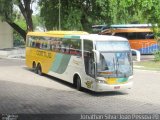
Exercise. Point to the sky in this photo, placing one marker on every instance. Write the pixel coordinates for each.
(34, 7)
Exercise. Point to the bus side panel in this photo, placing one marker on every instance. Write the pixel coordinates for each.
(43, 57)
(61, 63)
(66, 66)
(144, 46)
(28, 57)
(63, 67)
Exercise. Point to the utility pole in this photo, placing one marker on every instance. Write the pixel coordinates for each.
(59, 14)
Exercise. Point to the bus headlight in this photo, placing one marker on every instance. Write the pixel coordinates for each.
(100, 80)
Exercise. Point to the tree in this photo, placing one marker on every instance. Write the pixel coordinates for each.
(75, 14)
(7, 14)
(82, 14)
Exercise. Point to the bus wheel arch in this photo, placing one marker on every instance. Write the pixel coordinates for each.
(77, 82)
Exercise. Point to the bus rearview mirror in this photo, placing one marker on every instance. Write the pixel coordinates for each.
(97, 54)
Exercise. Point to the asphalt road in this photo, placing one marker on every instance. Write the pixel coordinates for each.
(22, 91)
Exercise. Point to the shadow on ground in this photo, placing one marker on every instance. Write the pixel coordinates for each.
(84, 90)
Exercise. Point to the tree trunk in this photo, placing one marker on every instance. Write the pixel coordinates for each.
(18, 29)
(27, 13)
(85, 24)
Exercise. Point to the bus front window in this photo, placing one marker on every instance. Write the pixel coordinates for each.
(114, 64)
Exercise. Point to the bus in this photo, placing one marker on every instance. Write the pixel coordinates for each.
(132, 26)
(99, 28)
(140, 38)
(95, 62)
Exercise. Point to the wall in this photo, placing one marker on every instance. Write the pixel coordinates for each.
(6, 36)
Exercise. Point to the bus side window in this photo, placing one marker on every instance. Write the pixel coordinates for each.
(149, 36)
(132, 36)
(43, 45)
(71, 46)
(121, 34)
(33, 44)
(37, 45)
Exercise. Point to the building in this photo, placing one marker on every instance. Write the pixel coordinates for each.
(6, 36)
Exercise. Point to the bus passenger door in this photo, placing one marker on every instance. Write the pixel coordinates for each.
(89, 63)
(89, 69)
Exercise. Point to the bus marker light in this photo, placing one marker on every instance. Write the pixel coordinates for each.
(117, 87)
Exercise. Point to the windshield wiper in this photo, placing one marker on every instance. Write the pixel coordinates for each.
(117, 64)
(115, 67)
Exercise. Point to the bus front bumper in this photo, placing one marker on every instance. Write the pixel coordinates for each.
(106, 87)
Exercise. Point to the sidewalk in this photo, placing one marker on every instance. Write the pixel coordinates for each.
(144, 58)
(16, 52)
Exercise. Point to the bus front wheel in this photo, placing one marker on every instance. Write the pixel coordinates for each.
(78, 83)
(34, 67)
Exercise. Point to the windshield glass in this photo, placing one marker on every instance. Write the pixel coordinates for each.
(112, 46)
(115, 64)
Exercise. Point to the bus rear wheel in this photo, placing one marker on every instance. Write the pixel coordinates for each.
(39, 70)
(78, 83)
(34, 67)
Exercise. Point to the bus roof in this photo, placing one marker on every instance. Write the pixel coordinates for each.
(96, 37)
(131, 26)
(66, 32)
(56, 33)
(102, 27)
(78, 35)
(121, 30)
(75, 35)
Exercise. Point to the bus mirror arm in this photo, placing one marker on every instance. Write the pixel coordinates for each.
(97, 53)
(138, 54)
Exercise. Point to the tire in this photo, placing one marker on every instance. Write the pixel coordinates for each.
(39, 70)
(34, 67)
(78, 84)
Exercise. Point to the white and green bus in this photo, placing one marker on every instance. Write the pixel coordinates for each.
(96, 62)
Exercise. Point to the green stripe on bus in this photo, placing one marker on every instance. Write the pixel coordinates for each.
(64, 63)
(60, 64)
(121, 80)
(72, 37)
(57, 62)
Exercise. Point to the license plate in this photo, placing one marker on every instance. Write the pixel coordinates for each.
(117, 87)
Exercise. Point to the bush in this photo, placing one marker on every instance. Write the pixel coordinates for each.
(17, 40)
(157, 56)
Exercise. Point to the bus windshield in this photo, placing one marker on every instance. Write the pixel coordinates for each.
(114, 64)
(112, 46)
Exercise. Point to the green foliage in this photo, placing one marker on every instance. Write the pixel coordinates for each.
(18, 40)
(75, 14)
(20, 22)
(37, 21)
(6, 10)
(82, 14)
(8, 14)
(157, 56)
